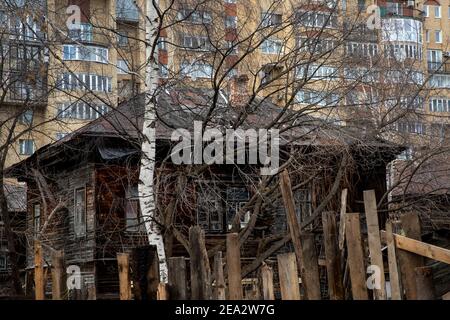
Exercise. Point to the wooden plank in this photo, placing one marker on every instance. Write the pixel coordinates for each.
(355, 256)
(200, 269)
(219, 288)
(234, 267)
(162, 292)
(295, 231)
(267, 282)
(310, 274)
(373, 230)
(177, 286)
(407, 261)
(332, 257)
(58, 275)
(342, 218)
(123, 262)
(288, 276)
(424, 283)
(39, 281)
(423, 249)
(394, 278)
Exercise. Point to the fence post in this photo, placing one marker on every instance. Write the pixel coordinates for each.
(162, 292)
(58, 272)
(355, 256)
(39, 281)
(333, 259)
(234, 267)
(410, 224)
(123, 262)
(310, 273)
(267, 282)
(424, 283)
(200, 269)
(288, 275)
(219, 289)
(177, 278)
(394, 278)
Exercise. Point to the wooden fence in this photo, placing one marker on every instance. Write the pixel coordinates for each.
(349, 255)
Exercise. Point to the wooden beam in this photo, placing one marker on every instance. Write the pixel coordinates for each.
(39, 282)
(394, 278)
(355, 256)
(288, 275)
(373, 234)
(162, 292)
(58, 275)
(333, 259)
(422, 249)
(219, 288)
(295, 231)
(234, 267)
(267, 282)
(424, 283)
(177, 278)
(310, 274)
(123, 262)
(200, 269)
(407, 261)
(342, 218)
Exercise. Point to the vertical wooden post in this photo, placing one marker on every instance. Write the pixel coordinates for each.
(58, 272)
(219, 289)
(424, 283)
(234, 267)
(200, 269)
(39, 282)
(162, 292)
(333, 259)
(123, 262)
(355, 256)
(342, 218)
(394, 277)
(177, 278)
(373, 233)
(294, 229)
(310, 273)
(288, 275)
(408, 261)
(267, 282)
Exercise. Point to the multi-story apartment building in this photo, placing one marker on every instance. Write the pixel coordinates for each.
(322, 56)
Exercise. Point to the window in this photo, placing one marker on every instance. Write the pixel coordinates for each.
(36, 218)
(3, 263)
(232, 48)
(406, 154)
(133, 217)
(426, 11)
(26, 147)
(271, 19)
(316, 72)
(231, 22)
(410, 127)
(317, 19)
(194, 16)
(427, 36)
(197, 69)
(122, 67)
(196, 43)
(60, 135)
(84, 33)
(79, 210)
(230, 1)
(394, 8)
(162, 44)
(315, 45)
(448, 12)
(210, 210)
(440, 81)
(360, 49)
(271, 46)
(122, 38)
(236, 199)
(439, 104)
(163, 71)
(317, 98)
(437, 12)
(26, 117)
(303, 204)
(361, 5)
(434, 59)
(85, 53)
(83, 81)
(438, 36)
(81, 111)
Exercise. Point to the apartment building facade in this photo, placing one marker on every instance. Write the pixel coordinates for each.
(86, 71)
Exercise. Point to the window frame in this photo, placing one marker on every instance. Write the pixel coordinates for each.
(80, 230)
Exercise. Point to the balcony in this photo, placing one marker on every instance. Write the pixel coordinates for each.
(127, 11)
(439, 67)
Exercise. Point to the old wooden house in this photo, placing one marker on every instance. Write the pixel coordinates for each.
(83, 189)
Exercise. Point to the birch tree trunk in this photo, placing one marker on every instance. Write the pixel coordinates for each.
(148, 161)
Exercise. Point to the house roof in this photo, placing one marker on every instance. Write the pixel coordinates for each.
(16, 197)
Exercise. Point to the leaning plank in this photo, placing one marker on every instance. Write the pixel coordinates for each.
(342, 218)
(123, 261)
(424, 283)
(177, 278)
(310, 274)
(39, 282)
(288, 275)
(333, 261)
(394, 277)
(373, 230)
(355, 256)
(422, 249)
(234, 267)
(267, 282)
(200, 269)
(219, 289)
